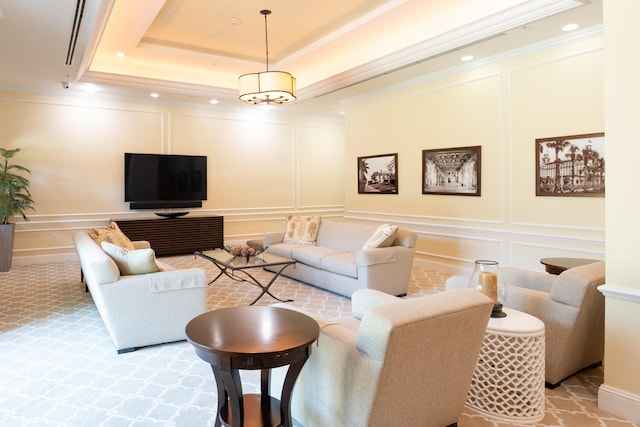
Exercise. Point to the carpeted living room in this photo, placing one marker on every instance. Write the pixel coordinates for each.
(496, 157)
(59, 367)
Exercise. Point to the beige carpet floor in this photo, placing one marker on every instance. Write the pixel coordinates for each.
(58, 366)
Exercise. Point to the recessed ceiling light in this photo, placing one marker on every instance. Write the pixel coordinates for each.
(89, 87)
(466, 58)
(121, 54)
(570, 27)
(213, 101)
(155, 95)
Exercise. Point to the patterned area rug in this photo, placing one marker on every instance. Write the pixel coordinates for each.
(58, 366)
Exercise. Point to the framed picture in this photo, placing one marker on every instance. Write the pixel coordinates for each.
(378, 174)
(451, 171)
(570, 166)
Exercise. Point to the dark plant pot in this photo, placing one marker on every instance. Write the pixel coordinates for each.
(7, 232)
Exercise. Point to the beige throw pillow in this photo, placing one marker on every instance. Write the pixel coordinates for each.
(384, 236)
(302, 229)
(139, 261)
(111, 234)
(98, 234)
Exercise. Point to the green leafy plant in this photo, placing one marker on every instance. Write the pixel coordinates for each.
(15, 197)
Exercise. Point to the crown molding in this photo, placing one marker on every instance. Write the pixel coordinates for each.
(475, 32)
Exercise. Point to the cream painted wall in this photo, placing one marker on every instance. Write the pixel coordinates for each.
(240, 158)
(503, 106)
(261, 167)
(620, 392)
(550, 99)
(427, 118)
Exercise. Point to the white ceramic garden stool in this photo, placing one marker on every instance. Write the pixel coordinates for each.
(508, 382)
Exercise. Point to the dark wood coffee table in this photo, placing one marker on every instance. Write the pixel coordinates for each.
(253, 337)
(558, 265)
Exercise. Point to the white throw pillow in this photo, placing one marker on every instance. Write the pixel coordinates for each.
(302, 229)
(139, 261)
(384, 236)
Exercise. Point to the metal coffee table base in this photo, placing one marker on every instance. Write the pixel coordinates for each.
(237, 268)
(249, 278)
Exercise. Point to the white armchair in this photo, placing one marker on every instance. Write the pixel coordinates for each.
(571, 308)
(401, 362)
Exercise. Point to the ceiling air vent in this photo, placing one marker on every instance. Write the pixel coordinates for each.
(75, 30)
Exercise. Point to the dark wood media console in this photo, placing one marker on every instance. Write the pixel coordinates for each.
(177, 236)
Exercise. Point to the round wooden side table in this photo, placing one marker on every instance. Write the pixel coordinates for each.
(254, 337)
(508, 382)
(558, 265)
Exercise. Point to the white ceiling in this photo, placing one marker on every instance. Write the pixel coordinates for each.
(191, 51)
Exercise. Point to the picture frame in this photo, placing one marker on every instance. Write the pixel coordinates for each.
(452, 171)
(571, 166)
(378, 174)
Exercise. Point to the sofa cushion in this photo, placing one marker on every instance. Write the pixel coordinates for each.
(313, 255)
(342, 263)
(346, 236)
(111, 234)
(140, 261)
(382, 237)
(284, 249)
(302, 229)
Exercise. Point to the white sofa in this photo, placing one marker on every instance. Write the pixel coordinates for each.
(394, 362)
(338, 264)
(142, 309)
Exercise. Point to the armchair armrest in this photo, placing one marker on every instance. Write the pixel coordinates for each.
(577, 284)
(456, 282)
(272, 238)
(527, 279)
(364, 299)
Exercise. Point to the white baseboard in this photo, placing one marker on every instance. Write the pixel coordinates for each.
(619, 403)
(44, 259)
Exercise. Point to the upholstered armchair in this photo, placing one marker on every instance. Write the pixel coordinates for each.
(394, 362)
(571, 308)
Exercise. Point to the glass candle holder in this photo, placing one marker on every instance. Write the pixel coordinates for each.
(484, 278)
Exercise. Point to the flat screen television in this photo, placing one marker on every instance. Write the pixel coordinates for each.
(162, 181)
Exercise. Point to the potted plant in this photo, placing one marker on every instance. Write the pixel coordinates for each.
(15, 199)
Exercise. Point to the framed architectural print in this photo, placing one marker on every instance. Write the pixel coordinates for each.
(570, 166)
(451, 171)
(378, 174)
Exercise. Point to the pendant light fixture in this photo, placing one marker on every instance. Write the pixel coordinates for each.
(268, 87)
